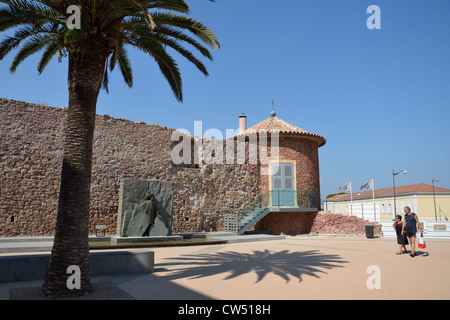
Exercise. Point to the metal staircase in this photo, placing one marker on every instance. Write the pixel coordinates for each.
(273, 200)
(251, 219)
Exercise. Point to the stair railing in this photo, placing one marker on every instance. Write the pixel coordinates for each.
(273, 200)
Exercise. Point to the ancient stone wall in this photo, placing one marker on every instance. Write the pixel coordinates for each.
(31, 149)
(30, 165)
(335, 223)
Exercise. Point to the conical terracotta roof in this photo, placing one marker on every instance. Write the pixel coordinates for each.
(275, 124)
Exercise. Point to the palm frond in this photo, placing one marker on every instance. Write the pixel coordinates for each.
(152, 37)
(125, 67)
(163, 30)
(50, 51)
(199, 29)
(116, 52)
(173, 5)
(148, 16)
(29, 20)
(105, 81)
(118, 9)
(151, 26)
(32, 45)
(11, 42)
(30, 12)
(166, 63)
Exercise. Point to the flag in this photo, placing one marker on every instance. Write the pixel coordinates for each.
(346, 186)
(367, 186)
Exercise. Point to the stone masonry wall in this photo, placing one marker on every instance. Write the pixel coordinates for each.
(335, 223)
(31, 149)
(306, 156)
(287, 222)
(30, 165)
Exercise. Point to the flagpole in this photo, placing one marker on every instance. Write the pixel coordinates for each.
(374, 207)
(351, 199)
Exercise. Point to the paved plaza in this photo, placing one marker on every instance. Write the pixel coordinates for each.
(297, 267)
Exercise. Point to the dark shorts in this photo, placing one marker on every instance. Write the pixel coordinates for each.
(410, 234)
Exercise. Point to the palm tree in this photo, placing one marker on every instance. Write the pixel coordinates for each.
(107, 28)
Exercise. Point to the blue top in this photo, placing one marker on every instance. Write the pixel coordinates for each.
(411, 223)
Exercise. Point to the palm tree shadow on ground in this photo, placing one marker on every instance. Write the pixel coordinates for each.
(282, 263)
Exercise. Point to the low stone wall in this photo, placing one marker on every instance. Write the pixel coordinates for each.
(335, 223)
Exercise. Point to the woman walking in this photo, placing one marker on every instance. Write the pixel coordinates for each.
(410, 228)
(402, 240)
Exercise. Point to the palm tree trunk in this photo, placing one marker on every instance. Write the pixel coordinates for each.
(72, 226)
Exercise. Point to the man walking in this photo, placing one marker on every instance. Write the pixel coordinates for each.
(410, 228)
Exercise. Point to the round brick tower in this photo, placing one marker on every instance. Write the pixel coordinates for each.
(290, 178)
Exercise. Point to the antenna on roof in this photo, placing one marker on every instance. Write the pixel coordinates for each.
(273, 113)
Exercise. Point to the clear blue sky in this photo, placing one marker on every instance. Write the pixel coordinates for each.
(381, 98)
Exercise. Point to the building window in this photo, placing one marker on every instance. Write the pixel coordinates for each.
(283, 176)
(383, 210)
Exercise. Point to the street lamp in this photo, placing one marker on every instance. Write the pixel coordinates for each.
(393, 181)
(433, 180)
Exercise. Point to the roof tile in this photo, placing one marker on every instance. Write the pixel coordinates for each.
(277, 125)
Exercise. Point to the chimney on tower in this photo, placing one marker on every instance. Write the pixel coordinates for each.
(242, 123)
